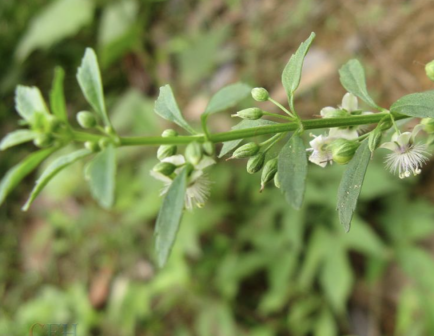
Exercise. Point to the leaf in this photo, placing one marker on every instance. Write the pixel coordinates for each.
(230, 145)
(16, 138)
(55, 167)
(60, 19)
(420, 104)
(57, 98)
(326, 324)
(28, 101)
(227, 97)
(167, 108)
(169, 217)
(351, 184)
(291, 75)
(17, 173)
(292, 168)
(89, 78)
(101, 175)
(353, 79)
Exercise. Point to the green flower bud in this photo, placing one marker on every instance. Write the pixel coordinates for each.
(109, 130)
(269, 171)
(260, 94)
(86, 119)
(165, 151)
(193, 153)
(169, 133)
(374, 139)
(245, 151)
(103, 143)
(164, 168)
(208, 148)
(429, 69)
(255, 163)
(385, 124)
(43, 140)
(428, 125)
(343, 150)
(92, 146)
(252, 113)
(335, 113)
(276, 180)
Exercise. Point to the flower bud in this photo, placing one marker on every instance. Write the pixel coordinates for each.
(255, 163)
(343, 150)
(374, 139)
(209, 148)
(333, 113)
(245, 151)
(385, 124)
(276, 180)
(169, 133)
(428, 125)
(252, 113)
(43, 140)
(109, 130)
(429, 69)
(260, 94)
(86, 119)
(92, 146)
(164, 168)
(269, 171)
(165, 151)
(103, 143)
(193, 153)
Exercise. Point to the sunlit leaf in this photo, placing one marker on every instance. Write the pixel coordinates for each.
(57, 98)
(227, 97)
(420, 104)
(16, 138)
(29, 101)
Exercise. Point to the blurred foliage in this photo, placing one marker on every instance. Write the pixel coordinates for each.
(246, 264)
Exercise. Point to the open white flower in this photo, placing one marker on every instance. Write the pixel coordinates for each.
(198, 183)
(407, 157)
(320, 154)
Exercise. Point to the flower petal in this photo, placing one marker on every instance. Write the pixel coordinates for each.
(326, 110)
(404, 139)
(343, 133)
(204, 163)
(391, 145)
(175, 159)
(349, 102)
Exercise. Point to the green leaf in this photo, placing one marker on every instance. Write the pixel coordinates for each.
(353, 79)
(230, 145)
(292, 170)
(101, 174)
(169, 217)
(167, 108)
(326, 324)
(89, 78)
(17, 173)
(291, 75)
(351, 184)
(16, 138)
(227, 97)
(420, 104)
(57, 98)
(28, 101)
(59, 19)
(55, 167)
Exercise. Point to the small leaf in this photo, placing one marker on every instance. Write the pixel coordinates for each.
(419, 104)
(55, 167)
(291, 75)
(17, 173)
(101, 174)
(230, 145)
(89, 78)
(28, 101)
(169, 217)
(167, 108)
(16, 138)
(351, 184)
(57, 98)
(227, 97)
(353, 79)
(292, 170)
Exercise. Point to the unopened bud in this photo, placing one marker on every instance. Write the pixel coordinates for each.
(165, 151)
(260, 94)
(374, 139)
(269, 171)
(208, 148)
(43, 140)
(252, 113)
(276, 180)
(193, 153)
(164, 168)
(92, 146)
(429, 69)
(333, 113)
(86, 119)
(245, 151)
(385, 124)
(343, 150)
(169, 133)
(255, 163)
(103, 143)
(428, 124)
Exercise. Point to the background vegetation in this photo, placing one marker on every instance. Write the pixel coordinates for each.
(246, 264)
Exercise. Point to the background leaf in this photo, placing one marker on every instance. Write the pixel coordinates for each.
(351, 184)
(227, 97)
(57, 98)
(16, 138)
(55, 167)
(292, 168)
(167, 108)
(420, 104)
(28, 101)
(169, 217)
(101, 175)
(353, 79)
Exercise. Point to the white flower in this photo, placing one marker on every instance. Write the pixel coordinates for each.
(198, 183)
(343, 133)
(407, 157)
(320, 154)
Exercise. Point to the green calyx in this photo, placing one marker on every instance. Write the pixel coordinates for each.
(164, 168)
(245, 151)
(343, 150)
(428, 125)
(194, 153)
(269, 172)
(255, 163)
(260, 94)
(86, 119)
(169, 133)
(252, 113)
(164, 151)
(429, 70)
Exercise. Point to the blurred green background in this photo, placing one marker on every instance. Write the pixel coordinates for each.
(246, 264)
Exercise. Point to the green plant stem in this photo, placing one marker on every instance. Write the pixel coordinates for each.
(281, 107)
(275, 115)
